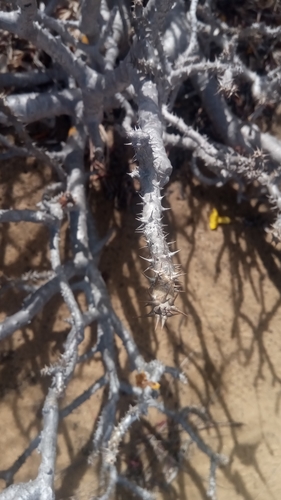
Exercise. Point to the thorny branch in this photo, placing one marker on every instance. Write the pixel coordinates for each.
(139, 63)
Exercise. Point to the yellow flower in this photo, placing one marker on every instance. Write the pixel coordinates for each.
(215, 219)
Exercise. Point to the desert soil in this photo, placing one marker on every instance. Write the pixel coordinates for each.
(229, 345)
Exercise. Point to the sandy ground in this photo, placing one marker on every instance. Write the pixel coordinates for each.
(229, 346)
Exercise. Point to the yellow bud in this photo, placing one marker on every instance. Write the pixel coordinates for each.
(155, 386)
(142, 381)
(224, 220)
(72, 131)
(213, 219)
(84, 39)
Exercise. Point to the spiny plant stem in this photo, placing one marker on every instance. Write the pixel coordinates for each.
(154, 171)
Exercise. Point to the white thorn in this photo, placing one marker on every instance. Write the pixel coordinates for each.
(148, 260)
(173, 253)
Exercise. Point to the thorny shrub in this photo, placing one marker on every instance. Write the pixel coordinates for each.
(130, 65)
